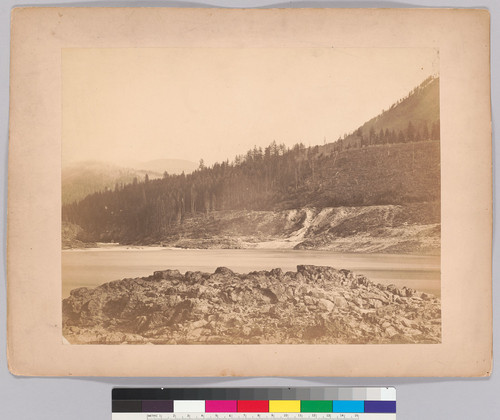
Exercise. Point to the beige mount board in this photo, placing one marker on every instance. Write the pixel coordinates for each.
(47, 46)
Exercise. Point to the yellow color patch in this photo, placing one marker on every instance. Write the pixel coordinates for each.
(284, 406)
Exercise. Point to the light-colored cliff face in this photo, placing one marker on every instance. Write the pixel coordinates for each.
(410, 229)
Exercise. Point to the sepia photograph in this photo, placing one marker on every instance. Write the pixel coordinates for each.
(251, 196)
(278, 192)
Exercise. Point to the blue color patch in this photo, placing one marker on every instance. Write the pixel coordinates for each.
(380, 406)
(348, 406)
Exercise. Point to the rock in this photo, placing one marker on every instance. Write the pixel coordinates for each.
(377, 296)
(375, 303)
(319, 294)
(412, 331)
(140, 323)
(358, 302)
(196, 333)
(392, 289)
(300, 278)
(79, 292)
(391, 331)
(276, 272)
(168, 274)
(181, 312)
(224, 271)
(305, 269)
(340, 301)
(234, 296)
(199, 324)
(194, 276)
(308, 300)
(326, 305)
(406, 322)
(370, 317)
(268, 296)
(362, 281)
(156, 320)
(246, 331)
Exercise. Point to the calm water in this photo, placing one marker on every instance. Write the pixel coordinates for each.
(92, 267)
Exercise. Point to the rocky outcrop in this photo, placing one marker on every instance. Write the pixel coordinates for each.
(319, 305)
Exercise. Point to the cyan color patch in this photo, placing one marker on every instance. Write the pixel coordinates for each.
(343, 406)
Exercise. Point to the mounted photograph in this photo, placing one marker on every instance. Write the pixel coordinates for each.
(251, 196)
(280, 192)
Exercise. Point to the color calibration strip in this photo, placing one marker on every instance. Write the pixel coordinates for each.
(372, 403)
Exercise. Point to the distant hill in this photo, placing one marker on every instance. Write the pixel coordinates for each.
(83, 178)
(171, 166)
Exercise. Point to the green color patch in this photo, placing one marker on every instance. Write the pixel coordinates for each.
(316, 406)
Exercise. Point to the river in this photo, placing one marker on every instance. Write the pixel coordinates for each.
(92, 267)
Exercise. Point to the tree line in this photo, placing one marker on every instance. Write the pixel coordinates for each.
(412, 133)
(261, 179)
(253, 181)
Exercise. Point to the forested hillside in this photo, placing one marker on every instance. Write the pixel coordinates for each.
(363, 169)
(412, 118)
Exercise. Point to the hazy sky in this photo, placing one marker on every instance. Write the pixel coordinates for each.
(167, 103)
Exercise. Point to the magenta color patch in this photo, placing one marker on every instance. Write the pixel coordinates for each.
(221, 406)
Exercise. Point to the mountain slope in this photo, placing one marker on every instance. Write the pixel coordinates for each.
(419, 109)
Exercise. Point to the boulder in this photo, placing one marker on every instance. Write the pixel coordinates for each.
(308, 300)
(391, 331)
(340, 301)
(326, 305)
(276, 272)
(168, 275)
(224, 271)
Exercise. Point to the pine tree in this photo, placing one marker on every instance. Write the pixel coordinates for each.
(401, 137)
(425, 131)
(435, 132)
(372, 136)
(410, 132)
